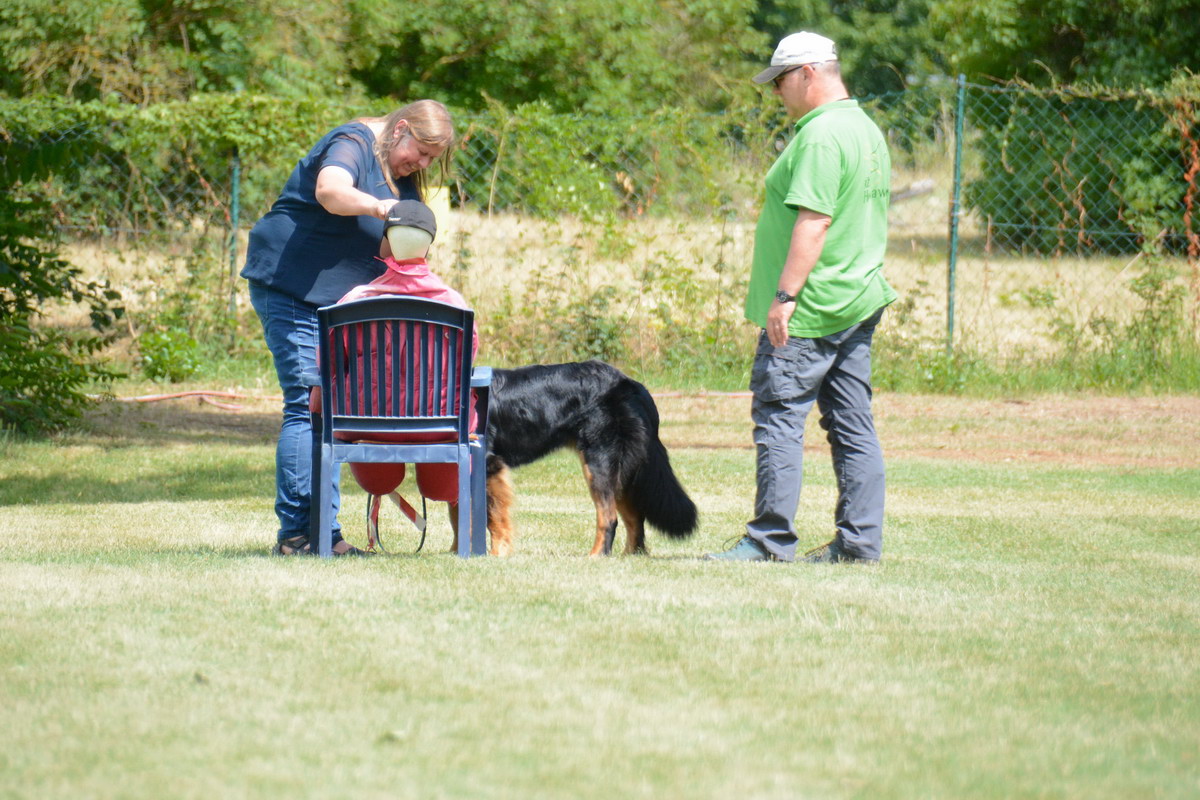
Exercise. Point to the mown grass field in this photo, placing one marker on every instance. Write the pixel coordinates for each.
(1034, 629)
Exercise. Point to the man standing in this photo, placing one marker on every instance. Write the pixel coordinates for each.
(817, 290)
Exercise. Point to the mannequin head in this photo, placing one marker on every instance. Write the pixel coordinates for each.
(408, 242)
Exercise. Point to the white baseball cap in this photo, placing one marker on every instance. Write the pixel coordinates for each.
(796, 49)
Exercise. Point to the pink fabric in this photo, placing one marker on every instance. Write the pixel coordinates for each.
(412, 277)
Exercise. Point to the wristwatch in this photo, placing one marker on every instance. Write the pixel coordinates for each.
(784, 297)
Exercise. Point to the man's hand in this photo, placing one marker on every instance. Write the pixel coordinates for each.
(777, 322)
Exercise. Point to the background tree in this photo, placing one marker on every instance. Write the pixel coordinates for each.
(148, 51)
(44, 370)
(1121, 43)
(884, 45)
(573, 55)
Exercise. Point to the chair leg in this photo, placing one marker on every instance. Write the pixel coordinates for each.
(479, 498)
(464, 502)
(320, 511)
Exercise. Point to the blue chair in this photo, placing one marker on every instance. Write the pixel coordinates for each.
(396, 381)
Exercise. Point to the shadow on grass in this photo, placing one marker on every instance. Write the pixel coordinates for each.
(146, 455)
(117, 424)
(252, 552)
(189, 482)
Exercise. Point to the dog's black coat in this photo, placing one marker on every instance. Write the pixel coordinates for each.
(608, 417)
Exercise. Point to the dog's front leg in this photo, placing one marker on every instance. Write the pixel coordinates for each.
(499, 511)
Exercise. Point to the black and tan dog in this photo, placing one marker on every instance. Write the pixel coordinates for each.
(612, 422)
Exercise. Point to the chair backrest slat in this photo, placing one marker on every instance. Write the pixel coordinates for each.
(445, 350)
(376, 384)
(397, 358)
(339, 361)
(421, 362)
(439, 385)
(355, 407)
(410, 368)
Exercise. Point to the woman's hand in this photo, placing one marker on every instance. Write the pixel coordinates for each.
(383, 207)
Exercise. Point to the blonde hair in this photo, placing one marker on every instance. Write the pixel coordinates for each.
(429, 123)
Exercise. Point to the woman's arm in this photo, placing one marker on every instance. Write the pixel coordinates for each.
(337, 195)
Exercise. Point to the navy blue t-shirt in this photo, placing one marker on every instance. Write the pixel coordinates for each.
(302, 250)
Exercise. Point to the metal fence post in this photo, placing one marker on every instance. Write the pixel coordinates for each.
(955, 210)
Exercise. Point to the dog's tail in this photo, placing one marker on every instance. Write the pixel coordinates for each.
(651, 486)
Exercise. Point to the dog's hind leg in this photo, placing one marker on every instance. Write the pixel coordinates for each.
(606, 512)
(499, 511)
(635, 529)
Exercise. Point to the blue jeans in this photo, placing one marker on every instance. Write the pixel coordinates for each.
(290, 328)
(834, 372)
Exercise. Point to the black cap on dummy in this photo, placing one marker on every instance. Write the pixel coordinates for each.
(412, 214)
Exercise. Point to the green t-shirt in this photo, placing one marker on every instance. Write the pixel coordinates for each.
(836, 164)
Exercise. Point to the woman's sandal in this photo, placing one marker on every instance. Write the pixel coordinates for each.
(298, 545)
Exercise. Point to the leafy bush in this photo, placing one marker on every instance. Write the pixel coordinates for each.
(1155, 348)
(165, 167)
(533, 160)
(168, 168)
(44, 371)
(169, 355)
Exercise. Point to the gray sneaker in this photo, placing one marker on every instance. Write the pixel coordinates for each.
(831, 553)
(745, 550)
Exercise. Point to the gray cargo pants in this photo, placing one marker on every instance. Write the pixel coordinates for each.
(835, 372)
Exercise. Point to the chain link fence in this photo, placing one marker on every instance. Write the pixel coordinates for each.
(1062, 202)
(1014, 212)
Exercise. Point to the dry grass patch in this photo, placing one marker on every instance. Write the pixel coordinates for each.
(487, 256)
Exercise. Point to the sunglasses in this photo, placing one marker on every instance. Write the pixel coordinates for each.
(778, 79)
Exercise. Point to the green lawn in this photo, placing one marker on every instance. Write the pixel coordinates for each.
(1033, 631)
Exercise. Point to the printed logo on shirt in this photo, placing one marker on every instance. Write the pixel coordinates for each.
(874, 183)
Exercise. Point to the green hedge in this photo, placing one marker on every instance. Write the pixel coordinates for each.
(144, 169)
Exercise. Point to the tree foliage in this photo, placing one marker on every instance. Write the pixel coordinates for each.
(572, 54)
(1121, 43)
(147, 51)
(884, 45)
(44, 371)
